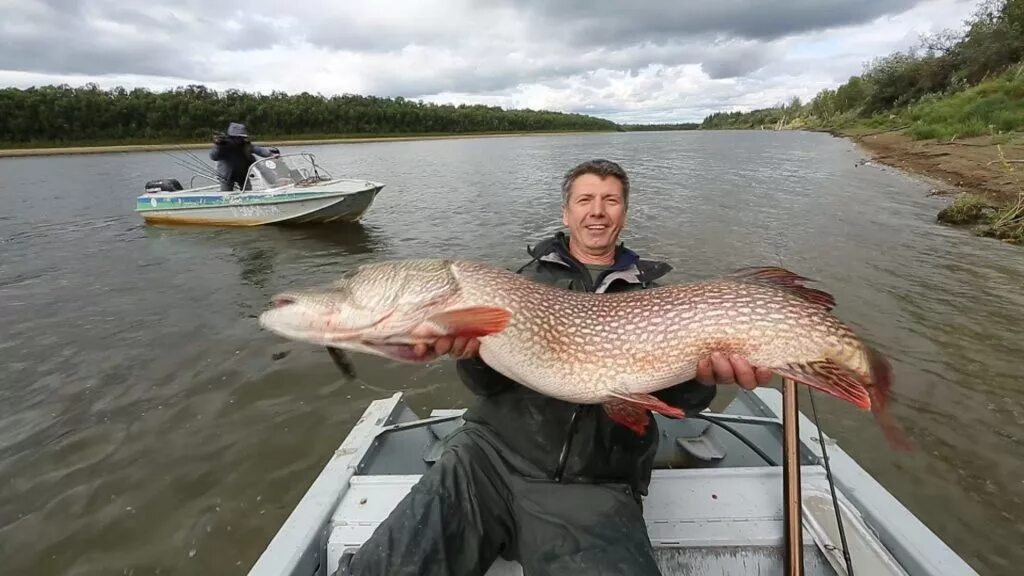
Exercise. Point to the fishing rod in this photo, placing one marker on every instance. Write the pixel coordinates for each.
(193, 155)
(189, 165)
(181, 163)
(178, 160)
(199, 165)
(832, 488)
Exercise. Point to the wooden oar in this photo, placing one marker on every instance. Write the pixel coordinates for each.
(794, 563)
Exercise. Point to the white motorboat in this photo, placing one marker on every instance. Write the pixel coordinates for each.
(288, 189)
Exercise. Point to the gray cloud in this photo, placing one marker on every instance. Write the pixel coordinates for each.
(109, 37)
(730, 38)
(82, 48)
(611, 22)
(719, 60)
(720, 64)
(727, 37)
(648, 60)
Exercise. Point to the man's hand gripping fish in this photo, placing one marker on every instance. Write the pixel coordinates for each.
(609, 349)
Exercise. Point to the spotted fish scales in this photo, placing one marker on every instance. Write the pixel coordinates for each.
(610, 349)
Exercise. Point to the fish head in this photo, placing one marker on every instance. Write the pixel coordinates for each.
(384, 309)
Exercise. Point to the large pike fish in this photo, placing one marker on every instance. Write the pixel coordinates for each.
(610, 349)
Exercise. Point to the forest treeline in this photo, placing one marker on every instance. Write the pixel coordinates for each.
(65, 115)
(659, 127)
(964, 82)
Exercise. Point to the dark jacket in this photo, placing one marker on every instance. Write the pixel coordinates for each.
(234, 157)
(575, 442)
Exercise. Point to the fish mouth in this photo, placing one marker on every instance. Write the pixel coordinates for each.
(400, 351)
(397, 350)
(282, 300)
(293, 311)
(287, 317)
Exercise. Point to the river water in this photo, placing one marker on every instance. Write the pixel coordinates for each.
(146, 426)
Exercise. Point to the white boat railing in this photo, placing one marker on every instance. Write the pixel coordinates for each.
(283, 170)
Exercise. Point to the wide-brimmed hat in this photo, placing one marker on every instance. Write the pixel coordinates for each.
(236, 129)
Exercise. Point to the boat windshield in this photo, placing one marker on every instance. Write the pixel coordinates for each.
(287, 170)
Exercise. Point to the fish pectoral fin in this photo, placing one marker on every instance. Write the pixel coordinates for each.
(649, 402)
(830, 378)
(472, 322)
(630, 410)
(343, 362)
(629, 415)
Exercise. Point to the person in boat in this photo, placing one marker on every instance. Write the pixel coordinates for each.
(556, 486)
(234, 154)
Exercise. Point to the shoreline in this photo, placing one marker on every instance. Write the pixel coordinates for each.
(982, 177)
(312, 141)
(971, 165)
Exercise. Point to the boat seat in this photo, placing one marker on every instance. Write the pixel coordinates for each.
(684, 443)
(687, 443)
(441, 430)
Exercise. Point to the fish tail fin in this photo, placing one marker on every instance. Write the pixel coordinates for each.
(865, 391)
(881, 376)
(789, 281)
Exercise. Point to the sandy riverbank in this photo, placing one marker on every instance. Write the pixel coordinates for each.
(971, 165)
(985, 178)
(55, 151)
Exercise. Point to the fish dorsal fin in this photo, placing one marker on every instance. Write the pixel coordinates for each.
(789, 281)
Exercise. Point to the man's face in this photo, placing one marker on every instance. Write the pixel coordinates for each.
(595, 213)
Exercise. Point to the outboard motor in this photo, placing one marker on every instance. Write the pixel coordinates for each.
(164, 185)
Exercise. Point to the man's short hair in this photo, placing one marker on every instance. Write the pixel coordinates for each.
(598, 167)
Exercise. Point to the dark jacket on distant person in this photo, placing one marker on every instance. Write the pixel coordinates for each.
(234, 154)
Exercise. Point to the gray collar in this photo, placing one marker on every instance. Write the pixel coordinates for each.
(631, 274)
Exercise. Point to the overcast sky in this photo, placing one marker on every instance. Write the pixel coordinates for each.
(633, 61)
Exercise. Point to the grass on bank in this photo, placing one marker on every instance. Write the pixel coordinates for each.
(1004, 221)
(993, 107)
(966, 209)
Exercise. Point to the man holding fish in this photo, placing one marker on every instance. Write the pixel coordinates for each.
(550, 483)
(569, 357)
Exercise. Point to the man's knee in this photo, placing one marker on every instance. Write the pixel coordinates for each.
(452, 518)
(582, 529)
